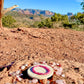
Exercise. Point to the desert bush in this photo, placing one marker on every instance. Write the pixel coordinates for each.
(46, 23)
(54, 18)
(79, 17)
(59, 18)
(54, 21)
(69, 25)
(41, 24)
(77, 22)
(65, 19)
(8, 21)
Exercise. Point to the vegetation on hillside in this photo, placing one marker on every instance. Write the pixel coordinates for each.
(74, 22)
(23, 20)
(57, 20)
(8, 21)
(53, 21)
(16, 19)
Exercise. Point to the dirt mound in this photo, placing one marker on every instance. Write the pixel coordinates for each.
(29, 44)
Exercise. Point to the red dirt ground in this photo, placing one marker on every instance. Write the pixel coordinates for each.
(41, 44)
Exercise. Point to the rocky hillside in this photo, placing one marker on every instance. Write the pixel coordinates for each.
(34, 12)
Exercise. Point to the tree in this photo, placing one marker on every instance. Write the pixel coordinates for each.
(81, 18)
(54, 18)
(78, 15)
(42, 24)
(8, 21)
(65, 19)
(73, 17)
(59, 17)
(2, 11)
(46, 23)
(82, 3)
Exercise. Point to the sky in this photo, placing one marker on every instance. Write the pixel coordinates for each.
(58, 6)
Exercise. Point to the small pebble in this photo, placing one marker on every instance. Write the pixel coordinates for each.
(76, 70)
(54, 63)
(23, 67)
(48, 82)
(30, 81)
(60, 69)
(18, 78)
(55, 68)
(58, 73)
(57, 64)
(34, 80)
(73, 82)
(60, 82)
(10, 73)
(21, 75)
(26, 65)
(44, 62)
(35, 63)
(63, 75)
(18, 72)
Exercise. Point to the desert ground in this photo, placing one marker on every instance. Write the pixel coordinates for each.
(28, 45)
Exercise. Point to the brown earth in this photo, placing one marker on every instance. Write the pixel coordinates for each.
(28, 45)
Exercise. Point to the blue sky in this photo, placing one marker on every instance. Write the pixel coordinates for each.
(58, 6)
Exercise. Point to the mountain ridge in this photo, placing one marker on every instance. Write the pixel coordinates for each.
(34, 11)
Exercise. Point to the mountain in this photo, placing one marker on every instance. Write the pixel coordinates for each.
(34, 12)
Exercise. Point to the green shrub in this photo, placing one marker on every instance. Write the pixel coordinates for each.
(8, 21)
(79, 17)
(54, 18)
(69, 25)
(41, 24)
(46, 23)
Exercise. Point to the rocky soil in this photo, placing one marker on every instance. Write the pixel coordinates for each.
(27, 45)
